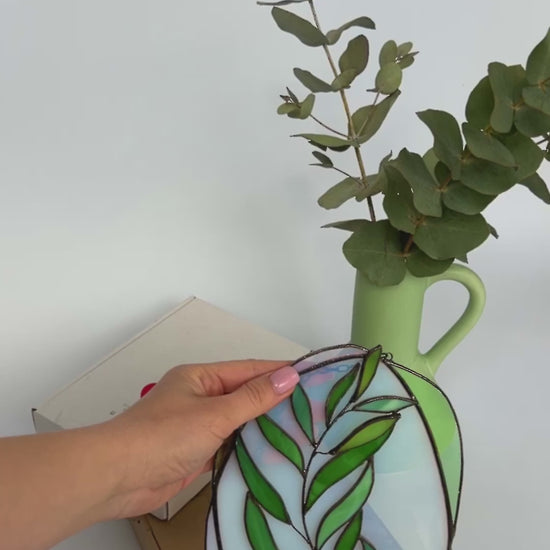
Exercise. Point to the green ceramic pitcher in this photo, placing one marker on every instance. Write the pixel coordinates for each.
(392, 316)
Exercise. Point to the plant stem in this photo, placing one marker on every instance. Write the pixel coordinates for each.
(328, 127)
(353, 134)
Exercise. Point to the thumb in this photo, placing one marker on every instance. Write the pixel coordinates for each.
(257, 396)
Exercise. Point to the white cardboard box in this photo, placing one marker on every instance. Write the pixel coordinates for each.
(195, 332)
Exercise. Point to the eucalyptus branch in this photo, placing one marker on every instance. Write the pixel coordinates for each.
(328, 127)
(353, 134)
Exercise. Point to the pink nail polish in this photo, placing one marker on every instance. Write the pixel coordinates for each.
(284, 379)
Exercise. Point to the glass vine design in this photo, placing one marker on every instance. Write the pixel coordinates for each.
(365, 455)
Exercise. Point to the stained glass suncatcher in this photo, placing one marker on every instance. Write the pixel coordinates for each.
(365, 455)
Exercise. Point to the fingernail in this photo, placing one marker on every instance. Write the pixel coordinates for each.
(284, 379)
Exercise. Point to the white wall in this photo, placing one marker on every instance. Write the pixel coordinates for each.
(141, 161)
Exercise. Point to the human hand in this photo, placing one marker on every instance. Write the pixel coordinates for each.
(171, 435)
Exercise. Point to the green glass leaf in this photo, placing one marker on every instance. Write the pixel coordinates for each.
(427, 196)
(538, 187)
(388, 53)
(375, 250)
(384, 404)
(367, 370)
(368, 120)
(323, 159)
(480, 104)
(420, 264)
(302, 411)
(460, 198)
(263, 492)
(398, 202)
(311, 82)
(485, 146)
(367, 433)
(281, 441)
(337, 392)
(346, 507)
(366, 545)
(448, 145)
(451, 235)
(347, 225)
(257, 530)
(486, 177)
(506, 83)
(527, 154)
(538, 62)
(343, 80)
(325, 140)
(364, 22)
(388, 79)
(302, 29)
(355, 56)
(350, 535)
(537, 98)
(339, 193)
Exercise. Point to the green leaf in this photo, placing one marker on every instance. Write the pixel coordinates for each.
(420, 264)
(388, 53)
(404, 49)
(306, 107)
(376, 183)
(281, 2)
(448, 145)
(375, 250)
(538, 187)
(366, 545)
(350, 535)
(451, 235)
(302, 29)
(531, 122)
(367, 371)
(527, 154)
(384, 404)
(427, 196)
(343, 80)
(506, 83)
(486, 177)
(311, 82)
(340, 466)
(480, 104)
(460, 198)
(323, 159)
(364, 22)
(325, 140)
(407, 60)
(338, 391)
(287, 108)
(538, 62)
(257, 530)
(485, 146)
(538, 98)
(355, 56)
(367, 433)
(348, 225)
(388, 78)
(339, 193)
(368, 120)
(302, 411)
(261, 489)
(346, 507)
(398, 202)
(493, 231)
(281, 441)
(430, 160)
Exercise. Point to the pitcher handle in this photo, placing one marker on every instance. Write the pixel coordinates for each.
(476, 302)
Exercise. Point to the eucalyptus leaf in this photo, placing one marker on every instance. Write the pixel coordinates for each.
(527, 154)
(355, 56)
(375, 250)
(460, 198)
(538, 187)
(348, 225)
(325, 140)
(426, 196)
(339, 193)
(538, 98)
(398, 202)
(301, 28)
(311, 82)
(531, 122)
(430, 160)
(288, 108)
(451, 235)
(346, 508)
(407, 60)
(368, 120)
(305, 108)
(506, 83)
(350, 535)
(343, 80)
(364, 22)
(485, 146)
(420, 264)
(448, 145)
(323, 159)
(281, 441)
(486, 177)
(257, 530)
(388, 78)
(388, 53)
(480, 105)
(492, 231)
(281, 3)
(404, 49)
(538, 62)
